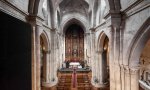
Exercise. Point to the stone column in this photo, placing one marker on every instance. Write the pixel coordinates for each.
(53, 62)
(97, 69)
(100, 64)
(117, 77)
(36, 30)
(134, 74)
(122, 77)
(111, 60)
(87, 48)
(117, 58)
(38, 58)
(46, 83)
(93, 55)
(33, 59)
(47, 65)
(127, 78)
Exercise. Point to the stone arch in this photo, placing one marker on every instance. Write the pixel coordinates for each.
(101, 37)
(103, 58)
(44, 57)
(46, 40)
(73, 21)
(101, 41)
(34, 7)
(138, 43)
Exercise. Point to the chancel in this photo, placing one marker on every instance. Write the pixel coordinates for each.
(75, 44)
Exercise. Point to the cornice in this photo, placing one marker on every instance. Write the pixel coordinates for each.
(131, 5)
(35, 20)
(12, 10)
(135, 8)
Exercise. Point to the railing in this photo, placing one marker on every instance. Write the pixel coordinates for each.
(144, 85)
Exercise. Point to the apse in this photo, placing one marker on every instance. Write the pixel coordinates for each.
(74, 43)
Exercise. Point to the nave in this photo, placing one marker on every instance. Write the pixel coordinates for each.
(111, 38)
(82, 81)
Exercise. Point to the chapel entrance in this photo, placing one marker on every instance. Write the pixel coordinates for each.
(74, 43)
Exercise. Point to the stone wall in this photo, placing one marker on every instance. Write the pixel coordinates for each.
(21, 4)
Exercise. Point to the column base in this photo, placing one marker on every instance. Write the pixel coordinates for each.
(50, 84)
(99, 85)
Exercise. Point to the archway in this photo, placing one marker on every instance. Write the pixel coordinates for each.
(103, 48)
(139, 43)
(145, 67)
(43, 62)
(74, 43)
(105, 61)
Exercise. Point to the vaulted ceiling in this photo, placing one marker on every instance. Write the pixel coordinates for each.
(74, 6)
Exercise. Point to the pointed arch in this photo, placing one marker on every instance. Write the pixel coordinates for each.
(137, 45)
(73, 21)
(46, 40)
(101, 39)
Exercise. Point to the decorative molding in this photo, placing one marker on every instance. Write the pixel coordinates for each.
(92, 29)
(126, 69)
(135, 8)
(46, 27)
(101, 26)
(12, 10)
(131, 5)
(35, 20)
(134, 70)
(113, 18)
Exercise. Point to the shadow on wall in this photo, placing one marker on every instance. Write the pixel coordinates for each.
(15, 57)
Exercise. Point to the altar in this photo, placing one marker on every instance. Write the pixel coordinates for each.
(74, 65)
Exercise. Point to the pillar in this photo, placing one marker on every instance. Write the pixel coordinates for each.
(33, 59)
(93, 55)
(134, 74)
(36, 30)
(127, 78)
(46, 82)
(122, 77)
(38, 58)
(117, 58)
(53, 61)
(36, 82)
(111, 60)
(100, 68)
(87, 45)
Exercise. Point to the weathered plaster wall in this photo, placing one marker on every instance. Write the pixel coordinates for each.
(132, 25)
(21, 4)
(126, 3)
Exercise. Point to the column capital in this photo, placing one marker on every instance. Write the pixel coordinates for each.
(92, 30)
(34, 20)
(53, 29)
(126, 69)
(134, 70)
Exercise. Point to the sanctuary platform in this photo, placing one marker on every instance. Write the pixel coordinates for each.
(68, 70)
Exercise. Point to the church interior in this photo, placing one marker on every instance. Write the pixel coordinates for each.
(75, 44)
